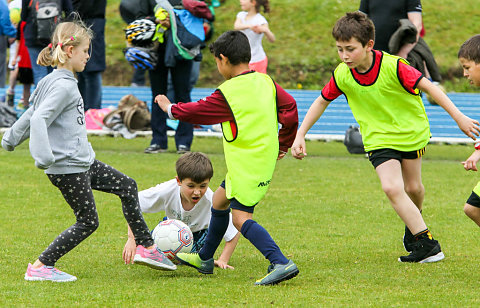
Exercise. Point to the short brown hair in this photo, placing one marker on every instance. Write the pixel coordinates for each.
(470, 50)
(354, 24)
(194, 165)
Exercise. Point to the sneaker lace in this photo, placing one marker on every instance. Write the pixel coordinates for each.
(54, 270)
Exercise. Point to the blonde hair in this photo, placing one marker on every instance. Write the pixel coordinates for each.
(71, 33)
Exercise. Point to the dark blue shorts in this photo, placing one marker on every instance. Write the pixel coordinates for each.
(234, 204)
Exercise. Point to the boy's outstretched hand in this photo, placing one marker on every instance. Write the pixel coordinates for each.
(469, 127)
(162, 102)
(222, 264)
(471, 162)
(298, 148)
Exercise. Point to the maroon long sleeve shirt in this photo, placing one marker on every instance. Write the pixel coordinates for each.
(214, 109)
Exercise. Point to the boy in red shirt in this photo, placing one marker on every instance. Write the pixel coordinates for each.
(383, 92)
(469, 57)
(249, 105)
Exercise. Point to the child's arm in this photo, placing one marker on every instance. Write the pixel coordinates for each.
(468, 126)
(130, 248)
(17, 50)
(313, 114)
(239, 25)
(265, 29)
(287, 115)
(210, 110)
(19, 132)
(471, 162)
(227, 252)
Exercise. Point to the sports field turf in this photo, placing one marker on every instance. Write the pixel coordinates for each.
(327, 213)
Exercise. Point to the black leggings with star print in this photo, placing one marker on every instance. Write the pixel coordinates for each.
(76, 188)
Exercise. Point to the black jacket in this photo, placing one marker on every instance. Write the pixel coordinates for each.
(92, 13)
(406, 33)
(29, 30)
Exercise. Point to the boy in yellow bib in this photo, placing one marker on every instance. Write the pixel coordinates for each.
(383, 93)
(250, 105)
(469, 57)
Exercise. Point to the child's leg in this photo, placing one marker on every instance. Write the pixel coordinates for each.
(13, 80)
(390, 174)
(218, 224)
(26, 94)
(107, 179)
(472, 212)
(258, 236)
(412, 177)
(199, 240)
(472, 206)
(75, 188)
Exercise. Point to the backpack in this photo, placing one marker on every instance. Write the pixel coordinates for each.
(132, 112)
(45, 15)
(353, 140)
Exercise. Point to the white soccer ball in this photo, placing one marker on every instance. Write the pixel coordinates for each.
(173, 236)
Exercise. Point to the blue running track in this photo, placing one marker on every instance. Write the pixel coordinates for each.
(337, 117)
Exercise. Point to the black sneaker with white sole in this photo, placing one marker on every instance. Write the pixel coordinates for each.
(424, 250)
(408, 240)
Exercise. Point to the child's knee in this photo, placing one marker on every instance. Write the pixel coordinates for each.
(131, 183)
(471, 211)
(391, 189)
(128, 189)
(95, 223)
(238, 223)
(415, 189)
(89, 224)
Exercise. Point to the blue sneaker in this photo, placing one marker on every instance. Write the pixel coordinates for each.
(47, 273)
(278, 273)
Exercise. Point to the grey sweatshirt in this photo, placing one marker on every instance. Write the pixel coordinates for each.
(56, 126)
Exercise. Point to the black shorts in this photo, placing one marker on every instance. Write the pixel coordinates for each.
(25, 75)
(234, 204)
(378, 157)
(474, 200)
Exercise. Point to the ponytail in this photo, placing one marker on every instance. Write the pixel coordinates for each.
(70, 33)
(264, 3)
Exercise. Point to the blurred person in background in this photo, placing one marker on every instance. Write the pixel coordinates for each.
(92, 12)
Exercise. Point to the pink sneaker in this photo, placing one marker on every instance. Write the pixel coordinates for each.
(153, 258)
(47, 273)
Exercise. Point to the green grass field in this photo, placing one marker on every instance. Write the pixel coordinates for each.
(327, 213)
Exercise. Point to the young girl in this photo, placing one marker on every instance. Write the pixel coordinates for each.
(254, 25)
(58, 144)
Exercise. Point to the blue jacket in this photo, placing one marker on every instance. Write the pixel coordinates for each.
(6, 27)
